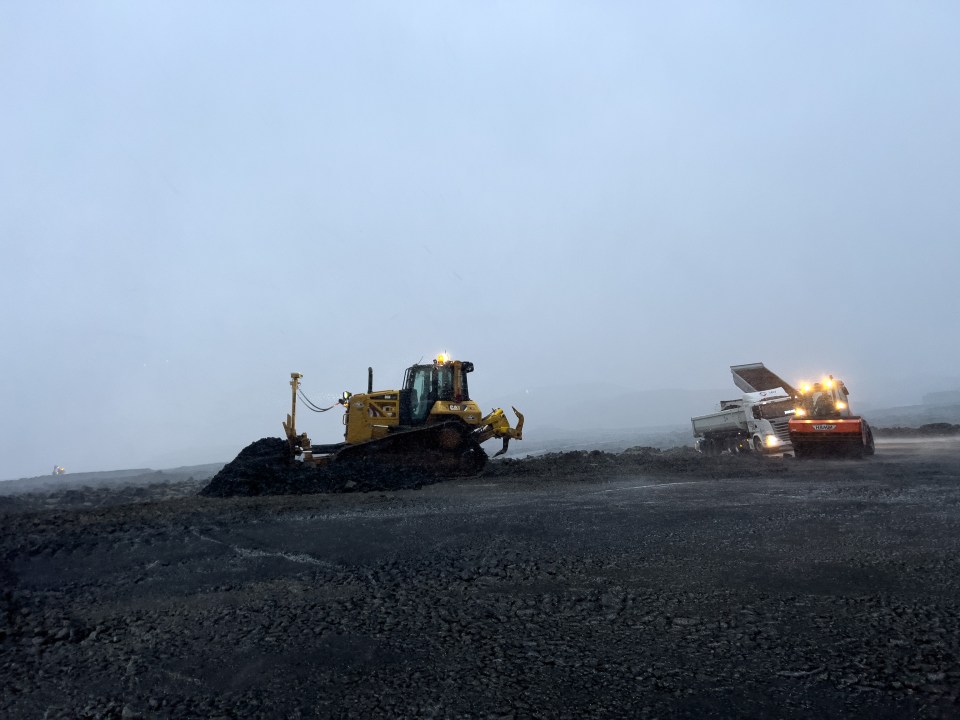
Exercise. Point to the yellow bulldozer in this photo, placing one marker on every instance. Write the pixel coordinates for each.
(429, 425)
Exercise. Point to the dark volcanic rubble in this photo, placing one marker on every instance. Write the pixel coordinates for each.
(264, 468)
(577, 585)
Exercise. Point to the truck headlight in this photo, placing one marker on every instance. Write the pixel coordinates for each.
(772, 441)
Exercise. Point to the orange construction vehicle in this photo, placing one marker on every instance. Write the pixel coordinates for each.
(823, 424)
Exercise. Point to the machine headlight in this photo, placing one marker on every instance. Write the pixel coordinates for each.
(841, 405)
(799, 412)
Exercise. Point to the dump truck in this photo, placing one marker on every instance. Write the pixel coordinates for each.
(430, 425)
(755, 422)
(824, 425)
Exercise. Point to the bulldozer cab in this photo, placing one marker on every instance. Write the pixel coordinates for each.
(441, 380)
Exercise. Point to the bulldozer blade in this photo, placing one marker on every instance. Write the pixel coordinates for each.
(519, 428)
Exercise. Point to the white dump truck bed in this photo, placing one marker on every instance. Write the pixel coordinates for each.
(730, 419)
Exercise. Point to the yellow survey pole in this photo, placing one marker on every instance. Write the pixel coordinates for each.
(294, 385)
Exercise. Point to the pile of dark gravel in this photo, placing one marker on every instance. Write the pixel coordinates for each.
(265, 468)
(590, 463)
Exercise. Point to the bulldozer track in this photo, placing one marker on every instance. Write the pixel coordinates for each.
(447, 448)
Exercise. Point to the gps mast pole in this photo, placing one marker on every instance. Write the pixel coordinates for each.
(290, 426)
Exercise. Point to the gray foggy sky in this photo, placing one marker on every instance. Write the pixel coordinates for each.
(198, 198)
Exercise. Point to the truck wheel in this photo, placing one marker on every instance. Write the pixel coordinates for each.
(869, 448)
(710, 447)
(757, 444)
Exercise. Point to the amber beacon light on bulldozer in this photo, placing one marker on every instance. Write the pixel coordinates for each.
(430, 425)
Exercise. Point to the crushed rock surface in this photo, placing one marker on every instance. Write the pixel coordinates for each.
(264, 468)
(574, 585)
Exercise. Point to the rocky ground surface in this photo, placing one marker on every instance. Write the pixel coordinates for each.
(571, 585)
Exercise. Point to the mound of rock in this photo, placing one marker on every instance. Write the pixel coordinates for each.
(590, 463)
(264, 468)
(261, 468)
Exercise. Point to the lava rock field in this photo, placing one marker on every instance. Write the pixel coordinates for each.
(574, 585)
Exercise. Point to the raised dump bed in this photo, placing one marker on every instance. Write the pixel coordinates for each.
(756, 377)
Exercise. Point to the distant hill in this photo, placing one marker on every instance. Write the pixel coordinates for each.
(914, 415)
(546, 440)
(586, 408)
(605, 406)
(581, 417)
(943, 397)
(933, 430)
(106, 478)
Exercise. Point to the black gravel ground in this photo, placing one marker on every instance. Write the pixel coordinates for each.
(568, 586)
